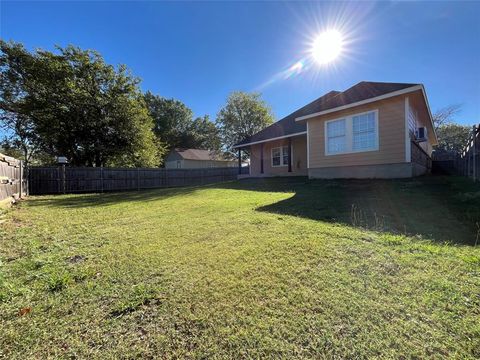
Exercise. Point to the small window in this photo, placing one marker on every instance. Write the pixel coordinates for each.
(276, 159)
(336, 136)
(280, 156)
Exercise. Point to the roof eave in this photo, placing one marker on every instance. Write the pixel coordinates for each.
(429, 114)
(362, 102)
(378, 98)
(269, 139)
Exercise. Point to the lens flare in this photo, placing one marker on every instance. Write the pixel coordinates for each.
(295, 69)
(327, 46)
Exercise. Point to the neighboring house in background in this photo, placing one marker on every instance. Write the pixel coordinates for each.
(196, 159)
(371, 130)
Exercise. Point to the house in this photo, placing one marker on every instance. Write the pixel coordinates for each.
(371, 130)
(195, 159)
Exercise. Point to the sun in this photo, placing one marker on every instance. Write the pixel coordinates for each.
(327, 46)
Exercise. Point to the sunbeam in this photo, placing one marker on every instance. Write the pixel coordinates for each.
(329, 36)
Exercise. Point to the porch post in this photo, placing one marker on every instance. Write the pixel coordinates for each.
(261, 158)
(289, 154)
(239, 161)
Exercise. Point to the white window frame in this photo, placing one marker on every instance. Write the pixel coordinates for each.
(281, 155)
(349, 134)
(343, 119)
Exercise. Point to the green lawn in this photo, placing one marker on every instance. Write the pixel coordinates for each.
(251, 269)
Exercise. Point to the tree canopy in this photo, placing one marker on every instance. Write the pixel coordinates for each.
(72, 103)
(243, 115)
(451, 136)
(174, 125)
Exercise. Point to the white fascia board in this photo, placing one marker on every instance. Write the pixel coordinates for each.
(363, 102)
(270, 139)
(429, 113)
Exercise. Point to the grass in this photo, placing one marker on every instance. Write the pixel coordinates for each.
(250, 269)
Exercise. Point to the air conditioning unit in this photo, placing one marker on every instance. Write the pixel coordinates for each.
(421, 134)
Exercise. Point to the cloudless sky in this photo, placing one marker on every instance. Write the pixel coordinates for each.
(198, 52)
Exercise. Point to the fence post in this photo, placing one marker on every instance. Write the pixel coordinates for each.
(474, 150)
(21, 179)
(239, 161)
(101, 178)
(467, 159)
(138, 179)
(63, 178)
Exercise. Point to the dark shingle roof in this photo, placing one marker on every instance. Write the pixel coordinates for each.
(362, 91)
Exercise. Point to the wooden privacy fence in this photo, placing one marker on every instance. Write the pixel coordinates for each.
(469, 162)
(13, 182)
(466, 163)
(64, 179)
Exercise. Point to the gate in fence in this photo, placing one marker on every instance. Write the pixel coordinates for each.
(13, 180)
(64, 179)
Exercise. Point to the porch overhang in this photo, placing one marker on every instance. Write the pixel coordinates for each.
(239, 146)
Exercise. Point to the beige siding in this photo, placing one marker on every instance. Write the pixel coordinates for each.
(421, 117)
(391, 128)
(299, 158)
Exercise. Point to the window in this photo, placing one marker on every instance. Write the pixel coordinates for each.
(276, 159)
(364, 134)
(336, 136)
(280, 156)
(355, 133)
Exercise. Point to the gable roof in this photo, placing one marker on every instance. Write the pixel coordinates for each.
(198, 154)
(290, 124)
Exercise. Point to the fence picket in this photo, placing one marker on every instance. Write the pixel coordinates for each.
(13, 184)
(53, 180)
(465, 163)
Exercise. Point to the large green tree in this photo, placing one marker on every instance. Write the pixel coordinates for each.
(243, 115)
(17, 69)
(171, 118)
(451, 136)
(205, 134)
(71, 103)
(174, 125)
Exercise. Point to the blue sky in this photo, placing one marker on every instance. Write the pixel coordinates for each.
(200, 52)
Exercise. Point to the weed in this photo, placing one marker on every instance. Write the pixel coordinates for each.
(57, 281)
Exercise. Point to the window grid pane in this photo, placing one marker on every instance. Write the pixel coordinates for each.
(336, 128)
(364, 136)
(276, 156)
(337, 144)
(336, 132)
(285, 155)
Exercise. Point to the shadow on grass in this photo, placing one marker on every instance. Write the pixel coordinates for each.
(442, 209)
(105, 199)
